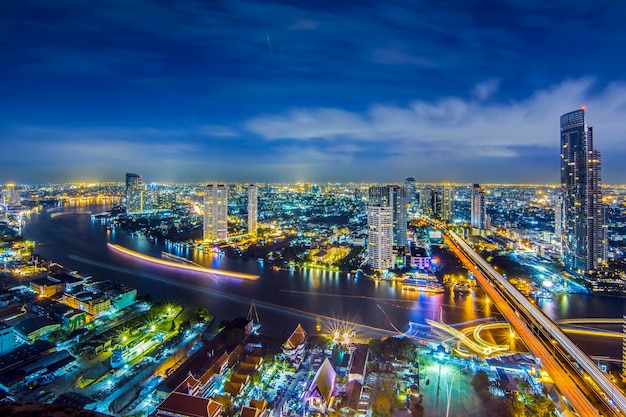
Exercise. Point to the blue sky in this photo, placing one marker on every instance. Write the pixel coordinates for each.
(465, 91)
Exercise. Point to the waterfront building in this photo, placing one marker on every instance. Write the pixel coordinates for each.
(380, 236)
(215, 212)
(583, 223)
(294, 346)
(479, 208)
(447, 203)
(252, 210)
(134, 193)
(395, 198)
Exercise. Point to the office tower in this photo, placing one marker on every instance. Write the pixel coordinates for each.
(134, 193)
(425, 201)
(252, 210)
(447, 203)
(584, 226)
(215, 212)
(394, 197)
(479, 209)
(409, 184)
(380, 236)
(435, 203)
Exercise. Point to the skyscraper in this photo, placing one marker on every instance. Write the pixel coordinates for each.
(479, 209)
(447, 203)
(252, 210)
(215, 212)
(380, 236)
(134, 193)
(396, 198)
(584, 227)
(409, 184)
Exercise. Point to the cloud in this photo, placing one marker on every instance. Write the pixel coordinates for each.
(486, 89)
(457, 127)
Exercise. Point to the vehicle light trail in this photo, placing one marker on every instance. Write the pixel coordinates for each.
(188, 267)
(566, 385)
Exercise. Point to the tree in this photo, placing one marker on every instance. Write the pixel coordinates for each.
(385, 403)
(202, 314)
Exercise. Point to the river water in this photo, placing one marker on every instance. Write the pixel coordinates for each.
(283, 299)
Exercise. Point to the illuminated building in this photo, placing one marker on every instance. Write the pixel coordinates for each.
(584, 226)
(435, 203)
(447, 203)
(7, 338)
(294, 346)
(624, 352)
(409, 184)
(396, 198)
(252, 210)
(479, 209)
(380, 236)
(425, 202)
(134, 193)
(215, 212)
(319, 396)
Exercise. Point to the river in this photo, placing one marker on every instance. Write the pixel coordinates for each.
(283, 299)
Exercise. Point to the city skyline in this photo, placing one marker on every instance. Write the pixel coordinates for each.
(273, 92)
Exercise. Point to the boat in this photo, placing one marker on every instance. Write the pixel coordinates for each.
(423, 285)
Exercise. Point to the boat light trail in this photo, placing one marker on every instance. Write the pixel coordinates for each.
(173, 264)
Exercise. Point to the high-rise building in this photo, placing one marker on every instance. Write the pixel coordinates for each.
(479, 208)
(435, 203)
(8, 195)
(134, 193)
(447, 203)
(380, 236)
(425, 201)
(584, 226)
(215, 212)
(409, 184)
(396, 198)
(252, 210)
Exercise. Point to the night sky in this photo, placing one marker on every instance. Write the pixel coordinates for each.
(366, 90)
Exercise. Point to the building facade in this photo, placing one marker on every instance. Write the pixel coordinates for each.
(380, 236)
(479, 208)
(395, 198)
(583, 218)
(215, 212)
(134, 193)
(253, 213)
(447, 203)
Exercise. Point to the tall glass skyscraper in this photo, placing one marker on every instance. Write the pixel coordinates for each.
(447, 203)
(479, 208)
(584, 227)
(134, 193)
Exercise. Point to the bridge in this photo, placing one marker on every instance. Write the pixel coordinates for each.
(587, 389)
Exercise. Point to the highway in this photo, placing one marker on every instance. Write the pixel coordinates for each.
(590, 392)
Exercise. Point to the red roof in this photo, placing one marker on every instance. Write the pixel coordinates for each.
(190, 406)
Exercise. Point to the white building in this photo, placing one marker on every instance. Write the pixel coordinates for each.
(215, 212)
(380, 236)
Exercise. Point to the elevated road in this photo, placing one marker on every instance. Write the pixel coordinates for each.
(588, 390)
